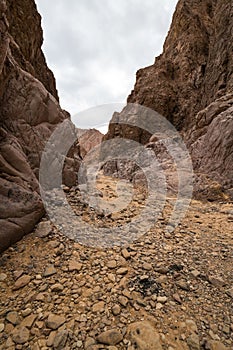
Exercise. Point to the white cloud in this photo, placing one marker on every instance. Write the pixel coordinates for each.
(95, 47)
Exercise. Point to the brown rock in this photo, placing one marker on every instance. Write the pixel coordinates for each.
(125, 254)
(193, 342)
(123, 300)
(111, 337)
(21, 282)
(98, 307)
(111, 264)
(29, 112)
(217, 281)
(12, 317)
(144, 336)
(122, 271)
(88, 139)
(116, 310)
(60, 340)
(177, 298)
(57, 287)
(55, 321)
(146, 266)
(49, 271)
(217, 345)
(20, 335)
(3, 277)
(186, 86)
(75, 266)
(43, 229)
(28, 321)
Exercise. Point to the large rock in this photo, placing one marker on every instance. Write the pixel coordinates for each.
(143, 336)
(88, 139)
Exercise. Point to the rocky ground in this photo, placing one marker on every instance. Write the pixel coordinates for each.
(163, 291)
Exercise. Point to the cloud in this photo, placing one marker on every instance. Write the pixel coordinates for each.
(95, 47)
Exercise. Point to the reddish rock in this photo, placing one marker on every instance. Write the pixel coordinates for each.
(22, 282)
(29, 112)
(191, 84)
(88, 139)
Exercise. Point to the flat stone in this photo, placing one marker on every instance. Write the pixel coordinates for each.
(182, 284)
(177, 298)
(162, 270)
(162, 300)
(116, 310)
(20, 335)
(74, 266)
(41, 297)
(49, 271)
(28, 321)
(12, 317)
(98, 307)
(21, 282)
(26, 312)
(3, 277)
(193, 342)
(111, 337)
(55, 321)
(146, 266)
(159, 306)
(125, 254)
(112, 264)
(10, 345)
(122, 271)
(57, 287)
(123, 300)
(192, 326)
(213, 335)
(216, 281)
(18, 274)
(2, 326)
(229, 292)
(88, 342)
(216, 345)
(60, 340)
(195, 273)
(111, 277)
(43, 229)
(51, 338)
(144, 336)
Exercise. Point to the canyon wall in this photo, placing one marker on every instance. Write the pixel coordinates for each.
(29, 112)
(191, 84)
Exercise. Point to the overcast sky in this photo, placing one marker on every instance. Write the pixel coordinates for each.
(95, 47)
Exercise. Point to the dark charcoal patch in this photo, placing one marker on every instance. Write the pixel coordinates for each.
(176, 267)
(145, 286)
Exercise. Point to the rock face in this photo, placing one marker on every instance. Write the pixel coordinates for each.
(196, 65)
(29, 112)
(88, 139)
(191, 84)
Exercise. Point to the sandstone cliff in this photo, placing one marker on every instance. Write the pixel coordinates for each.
(191, 84)
(29, 112)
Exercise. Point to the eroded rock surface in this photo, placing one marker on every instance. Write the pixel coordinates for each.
(191, 84)
(29, 112)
